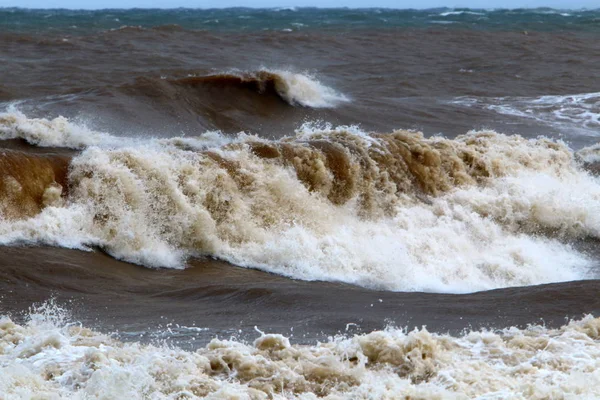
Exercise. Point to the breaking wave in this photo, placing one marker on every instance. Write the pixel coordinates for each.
(260, 92)
(590, 154)
(293, 88)
(393, 211)
(50, 356)
(58, 132)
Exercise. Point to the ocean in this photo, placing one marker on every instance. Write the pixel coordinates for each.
(299, 203)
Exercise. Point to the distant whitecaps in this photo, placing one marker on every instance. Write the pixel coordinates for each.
(449, 13)
(577, 111)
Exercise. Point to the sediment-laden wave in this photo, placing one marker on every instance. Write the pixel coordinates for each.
(29, 183)
(392, 211)
(293, 88)
(233, 101)
(173, 185)
(50, 356)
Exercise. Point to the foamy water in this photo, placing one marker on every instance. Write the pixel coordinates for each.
(388, 211)
(51, 356)
(295, 88)
(157, 174)
(590, 154)
(574, 113)
(306, 90)
(57, 132)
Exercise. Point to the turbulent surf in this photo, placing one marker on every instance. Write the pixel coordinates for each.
(59, 358)
(392, 211)
(299, 203)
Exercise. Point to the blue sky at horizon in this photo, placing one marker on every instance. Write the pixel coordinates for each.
(418, 4)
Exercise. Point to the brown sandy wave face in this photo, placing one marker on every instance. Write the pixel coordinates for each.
(234, 101)
(292, 88)
(394, 211)
(386, 169)
(28, 183)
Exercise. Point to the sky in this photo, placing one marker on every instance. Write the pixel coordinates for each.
(95, 4)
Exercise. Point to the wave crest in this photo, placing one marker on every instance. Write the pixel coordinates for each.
(57, 132)
(293, 88)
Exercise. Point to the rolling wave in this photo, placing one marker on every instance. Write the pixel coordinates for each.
(231, 101)
(393, 211)
(293, 88)
(257, 92)
(58, 132)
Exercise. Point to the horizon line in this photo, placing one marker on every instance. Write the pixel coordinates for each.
(293, 8)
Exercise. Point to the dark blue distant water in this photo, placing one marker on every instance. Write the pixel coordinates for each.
(234, 19)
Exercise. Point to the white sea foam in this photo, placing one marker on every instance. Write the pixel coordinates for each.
(61, 132)
(296, 88)
(497, 210)
(590, 154)
(579, 112)
(58, 132)
(306, 90)
(463, 12)
(51, 357)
